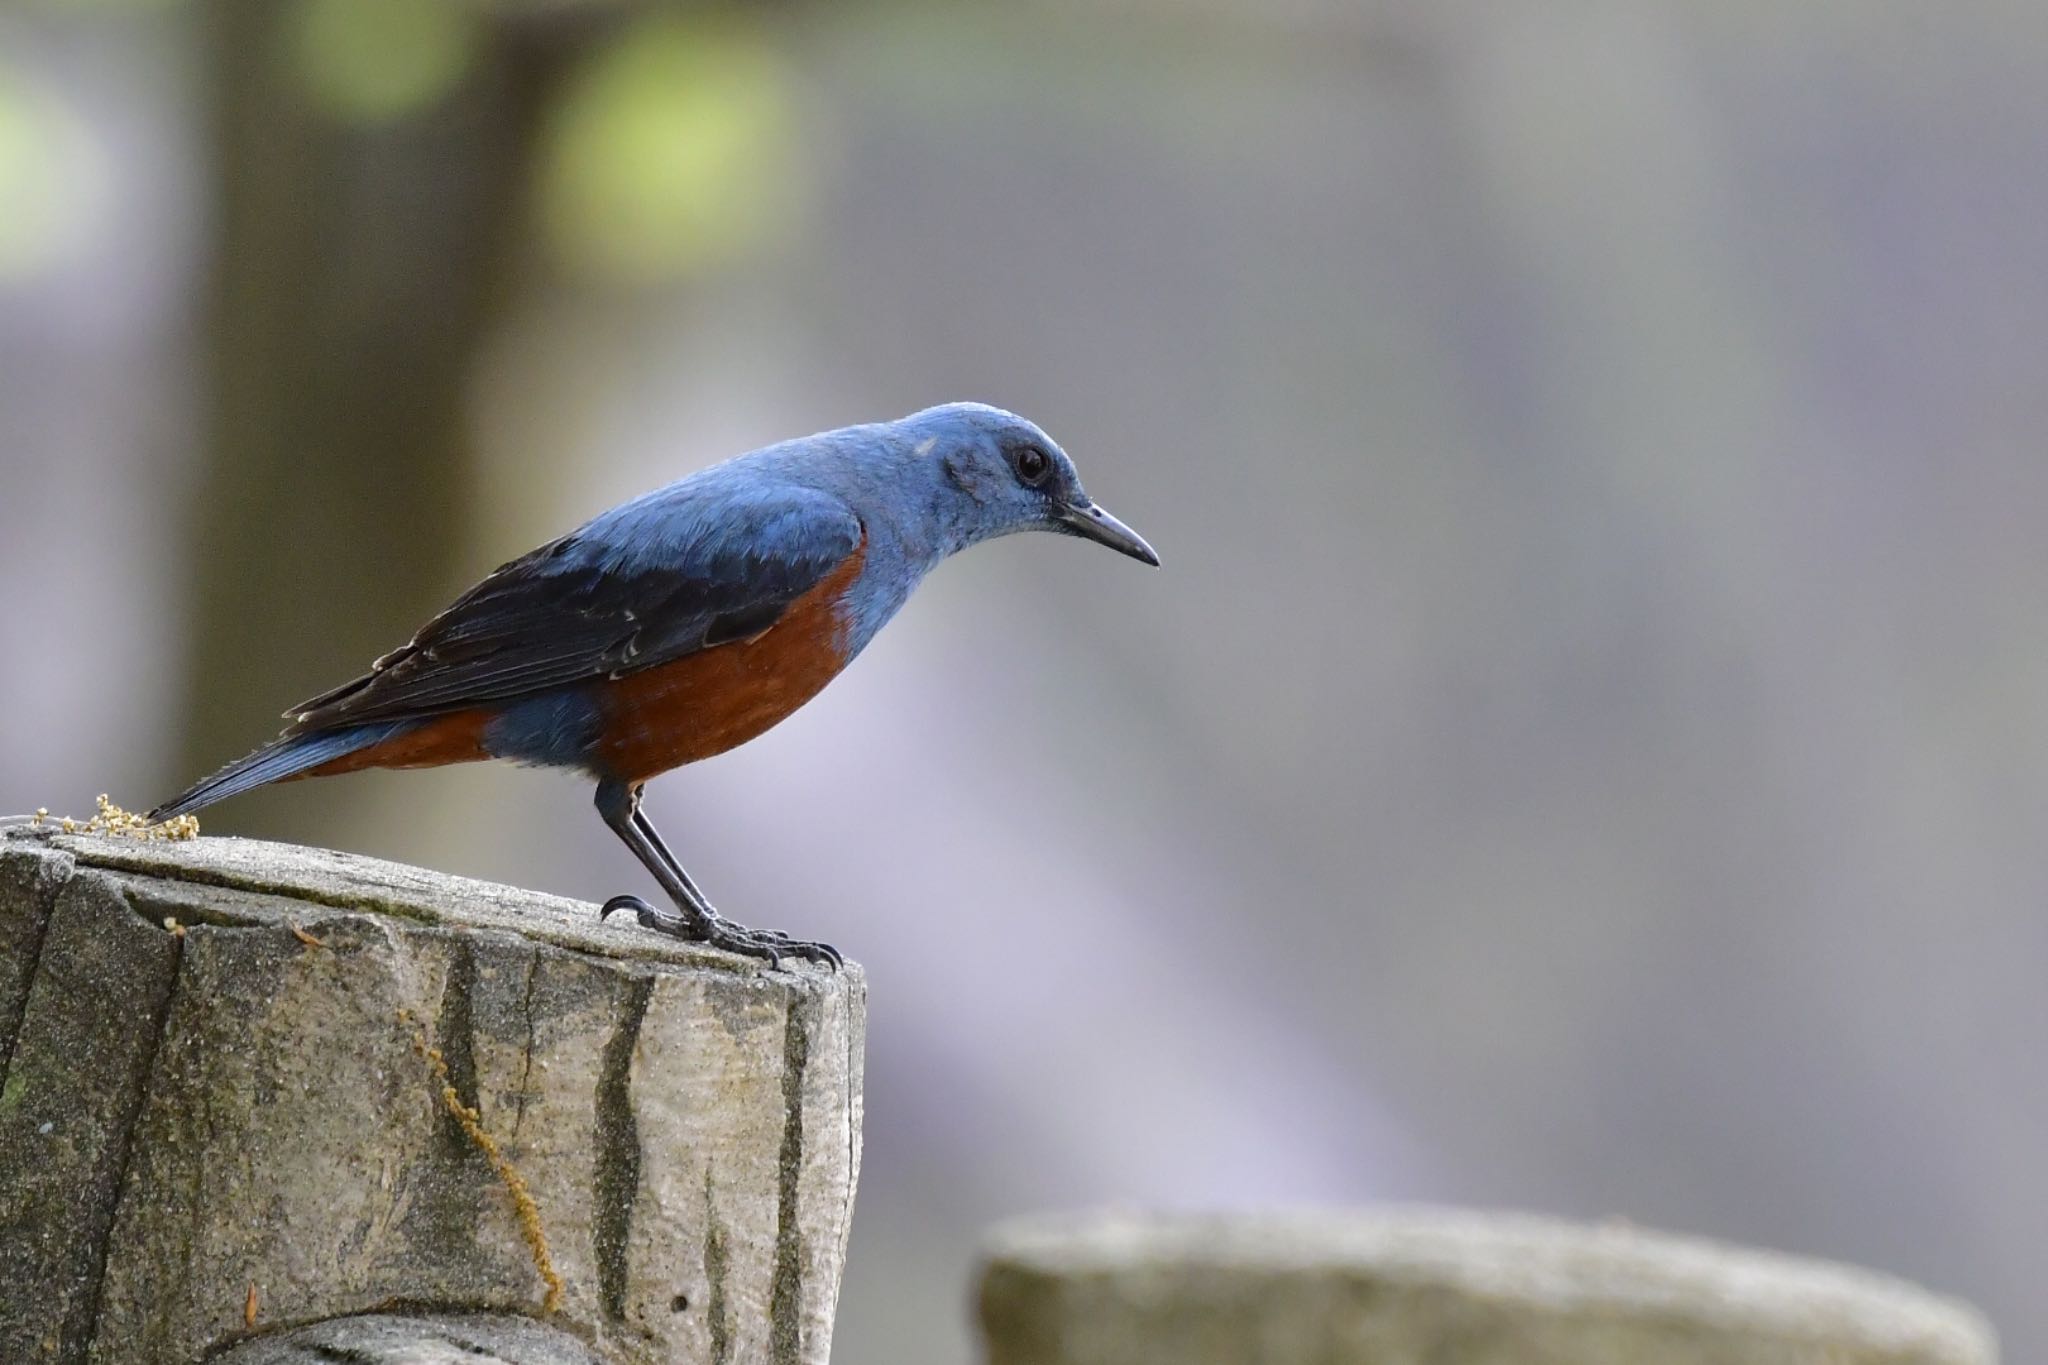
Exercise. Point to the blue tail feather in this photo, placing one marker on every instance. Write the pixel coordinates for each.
(276, 761)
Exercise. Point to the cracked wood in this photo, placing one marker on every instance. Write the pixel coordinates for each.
(182, 1117)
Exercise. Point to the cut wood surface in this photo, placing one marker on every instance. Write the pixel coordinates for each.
(1420, 1287)
(338, 1086)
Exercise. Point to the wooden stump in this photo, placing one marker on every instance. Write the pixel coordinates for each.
(415, 1339)
(320, 1093)
(1419, 1286)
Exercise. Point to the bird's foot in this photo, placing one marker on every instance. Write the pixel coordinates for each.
(719, 932)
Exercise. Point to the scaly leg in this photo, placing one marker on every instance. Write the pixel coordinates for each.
(618, 804)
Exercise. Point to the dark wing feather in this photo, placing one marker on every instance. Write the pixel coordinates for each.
(682, 570)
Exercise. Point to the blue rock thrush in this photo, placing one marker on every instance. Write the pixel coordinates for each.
(688, 621)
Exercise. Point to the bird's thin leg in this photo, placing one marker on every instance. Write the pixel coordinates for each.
(813, 952)
(661, 851)
(618, 803)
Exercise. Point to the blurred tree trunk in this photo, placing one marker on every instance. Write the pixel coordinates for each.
(356, 268)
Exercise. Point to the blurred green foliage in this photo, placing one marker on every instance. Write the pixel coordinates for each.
(53, 178)
(371, 61)
(674, 150)
(109, 6)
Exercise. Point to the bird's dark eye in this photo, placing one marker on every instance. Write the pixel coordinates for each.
(1033, 465)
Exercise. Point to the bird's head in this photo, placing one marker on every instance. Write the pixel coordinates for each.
(998, 474)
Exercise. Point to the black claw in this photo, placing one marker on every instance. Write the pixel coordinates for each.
(693, 920)
(799, 948)
(796, 947)
(765, 944)
(660, 921)
(633, 903)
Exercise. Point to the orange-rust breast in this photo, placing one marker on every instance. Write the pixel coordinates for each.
(705, 703)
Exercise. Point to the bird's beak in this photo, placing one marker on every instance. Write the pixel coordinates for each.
(1091, 522)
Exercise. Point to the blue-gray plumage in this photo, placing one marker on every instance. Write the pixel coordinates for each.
(687, 621)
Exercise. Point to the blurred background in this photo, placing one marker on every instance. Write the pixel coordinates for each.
(1587, 750)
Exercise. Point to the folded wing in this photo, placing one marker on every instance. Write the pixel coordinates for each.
(680, 571)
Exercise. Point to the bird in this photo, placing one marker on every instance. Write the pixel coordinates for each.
(685, 622)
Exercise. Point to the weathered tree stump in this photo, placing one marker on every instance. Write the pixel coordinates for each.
(1415, 1286)
(414, 1339)
(322, 1093)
